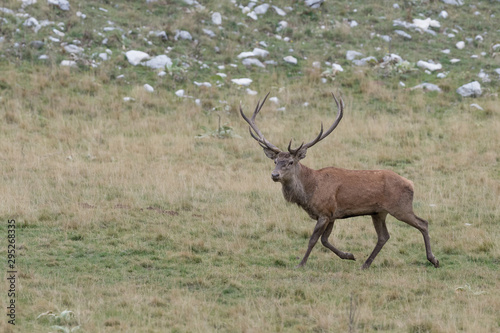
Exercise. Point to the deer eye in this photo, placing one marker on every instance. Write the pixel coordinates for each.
(290, 163)
(274, 161)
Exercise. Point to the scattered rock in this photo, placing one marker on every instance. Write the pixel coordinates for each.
(351, 55)
(453, 2)
(261, 9)
(253, 62)
(62, 4)
(68, 63)
(314, 3)
(158, 62)
(260, 52)
(216, 18)
(290, 60)
(460, 45)
(242, 81)
(37, 44)
(251, 92)
(279, 11)
(430, 66)
(180, 93)
(209, 33)
(427, 87)
(182, 34)
(443, 14)
(365, 61)
(474, 105)
(472, 89)
(403, 34)
(135, 57)
(71, 48)
(148, 88)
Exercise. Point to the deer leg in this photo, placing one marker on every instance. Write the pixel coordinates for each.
(324, 241)
(318, 231)
(382, 235)
(423, 226)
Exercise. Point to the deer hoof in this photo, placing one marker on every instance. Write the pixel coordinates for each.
(349, 256)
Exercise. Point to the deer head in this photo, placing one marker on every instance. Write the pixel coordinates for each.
(287, 162)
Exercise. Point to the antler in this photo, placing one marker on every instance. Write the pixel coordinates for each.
(321, 135)
(259, 137)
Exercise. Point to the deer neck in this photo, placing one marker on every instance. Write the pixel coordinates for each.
(299, 188)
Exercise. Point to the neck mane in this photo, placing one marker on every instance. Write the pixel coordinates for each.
(300, 187)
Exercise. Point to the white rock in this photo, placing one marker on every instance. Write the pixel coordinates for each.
(453, 2)
(497, 70)
(245, 55)
(148, 88)
(443, 14)
(135, 57)
(460, 45)
(43, 57)
(314, 3)
(484, 76)
(337, 68)
(158, 62)
(59, 33)
(282, 25)
(441, 75)
(71, 48)
(395, 6)
(68, 63)
(261, 9)
(62, 4)
(290, 60)
(260, 52)
(351, 55)
(216, 18)
(275, 100)
(253, 15)
(427, 86)
(162, 73)
(279, 11)
(454, 60)
(392, 58)
(403, 34)
(242, 81)
(316, 64)
(446, 51)
(119, 77)
(53, 39)
(103, 56)
(496, 46)
(180, 93)
(470, 89)
(7, 11)
(430, 66)
(474, 105)
(425, 24)
(209, 32)
(252, 62)
(251, 92)
(182, 34)
(222, 75)
(365, 61)
(386, 38)
(203, 84)
(353, 24)
(128, 99)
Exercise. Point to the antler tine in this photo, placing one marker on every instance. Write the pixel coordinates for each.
(321, 135)
(258, 136)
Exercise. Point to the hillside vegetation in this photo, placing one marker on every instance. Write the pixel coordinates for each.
(153, 210)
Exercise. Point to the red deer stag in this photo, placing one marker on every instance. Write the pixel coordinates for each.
(332, 193)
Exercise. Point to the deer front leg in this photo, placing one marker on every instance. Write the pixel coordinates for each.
(319, 229)
(328, 245)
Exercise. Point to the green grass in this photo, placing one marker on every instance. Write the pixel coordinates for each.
(128, 220)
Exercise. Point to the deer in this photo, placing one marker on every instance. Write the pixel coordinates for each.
(332, 193)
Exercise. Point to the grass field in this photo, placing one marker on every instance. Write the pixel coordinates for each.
(135, 224)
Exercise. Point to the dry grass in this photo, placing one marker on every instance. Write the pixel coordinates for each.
(136, 226)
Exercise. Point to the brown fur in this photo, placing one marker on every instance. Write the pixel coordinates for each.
(333, 193)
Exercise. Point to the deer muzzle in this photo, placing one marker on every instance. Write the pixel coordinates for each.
(275, 175)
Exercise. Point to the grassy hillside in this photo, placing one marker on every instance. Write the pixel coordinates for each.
(158, 213)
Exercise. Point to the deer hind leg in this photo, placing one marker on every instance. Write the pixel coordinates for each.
(421, 225)
(382, 237)
(319, 229)
(324, 241)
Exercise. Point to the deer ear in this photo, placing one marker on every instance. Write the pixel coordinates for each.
(271, 154)
(301, 153)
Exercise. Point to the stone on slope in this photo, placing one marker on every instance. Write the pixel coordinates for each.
(242, 81)
(62, 4)
(430, 66)
(472, 89)
(158, 62)
(135, 57)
